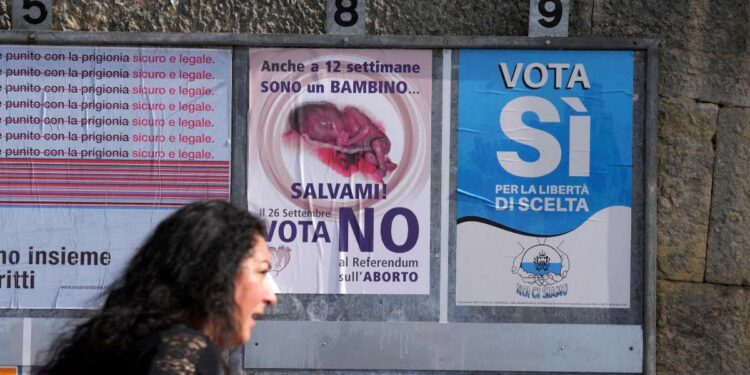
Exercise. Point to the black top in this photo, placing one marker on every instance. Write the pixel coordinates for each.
(176, 351)
(182, 351)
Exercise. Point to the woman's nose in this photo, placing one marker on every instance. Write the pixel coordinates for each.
(271, 289)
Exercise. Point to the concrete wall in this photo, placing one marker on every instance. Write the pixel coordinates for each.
(703, 136)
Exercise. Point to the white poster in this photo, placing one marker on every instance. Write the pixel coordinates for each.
(97, 145)
(339, 167)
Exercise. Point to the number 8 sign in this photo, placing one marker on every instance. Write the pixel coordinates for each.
(345, 17)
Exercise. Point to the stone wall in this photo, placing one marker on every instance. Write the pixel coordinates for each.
(703, 129)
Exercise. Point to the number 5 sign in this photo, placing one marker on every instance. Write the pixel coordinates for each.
(32, 14)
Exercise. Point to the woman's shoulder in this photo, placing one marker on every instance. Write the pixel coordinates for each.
(181, 350)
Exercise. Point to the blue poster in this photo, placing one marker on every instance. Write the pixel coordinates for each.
(544, 178)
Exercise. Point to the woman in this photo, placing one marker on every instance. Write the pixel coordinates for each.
(195, 287)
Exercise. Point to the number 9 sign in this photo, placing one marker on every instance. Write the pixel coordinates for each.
(31, 14)
(549, 17)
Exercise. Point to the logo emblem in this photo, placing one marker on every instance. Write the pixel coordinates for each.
(541, 264)
(280, 257)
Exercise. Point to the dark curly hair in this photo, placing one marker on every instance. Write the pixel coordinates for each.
(182, 274)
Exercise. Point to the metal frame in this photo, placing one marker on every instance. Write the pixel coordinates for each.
(320, 41)
(239, 137)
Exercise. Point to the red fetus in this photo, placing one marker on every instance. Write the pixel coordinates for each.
(349, 132)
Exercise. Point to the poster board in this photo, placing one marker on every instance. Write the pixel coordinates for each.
(344, 321)
(99, 144)
(341, 154)
(544, 202)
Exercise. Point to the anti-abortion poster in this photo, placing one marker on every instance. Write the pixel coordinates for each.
(544, 178)
(97, 145)
(339, 167)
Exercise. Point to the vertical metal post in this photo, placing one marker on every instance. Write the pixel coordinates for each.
(649, 259)
(240, 92)
(238, 190)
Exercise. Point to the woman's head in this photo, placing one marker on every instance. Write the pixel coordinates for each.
(252, 292)
(204, 266)
(199, 267)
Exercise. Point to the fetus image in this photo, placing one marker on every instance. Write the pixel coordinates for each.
(348, 137)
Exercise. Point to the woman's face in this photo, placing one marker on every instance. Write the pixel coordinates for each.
(252, 290)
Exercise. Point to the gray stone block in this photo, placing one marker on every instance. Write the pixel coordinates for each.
(5, 14)
(581, 16)
(723, 79)
(398, 17)
(704, 45)
(685, 165)
(702, 329)
(728, 258)
(448, 17)
(718, 27)
(260, 16)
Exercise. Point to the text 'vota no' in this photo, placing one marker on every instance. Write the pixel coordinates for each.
(536, 75)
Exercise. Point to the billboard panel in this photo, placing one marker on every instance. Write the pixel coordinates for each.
(97, 145)
(544, 179)
(339, 166)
